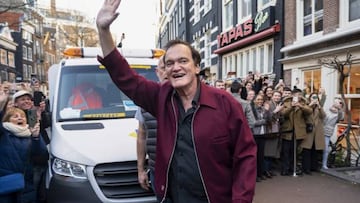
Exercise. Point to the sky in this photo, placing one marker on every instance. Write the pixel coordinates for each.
(137, 19)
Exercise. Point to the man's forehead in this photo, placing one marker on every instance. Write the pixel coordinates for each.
(174, 53)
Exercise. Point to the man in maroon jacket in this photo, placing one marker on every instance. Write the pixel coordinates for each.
(205, 149)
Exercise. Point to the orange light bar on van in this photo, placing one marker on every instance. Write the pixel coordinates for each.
(157, 53)
(90, 52)
(73, 52)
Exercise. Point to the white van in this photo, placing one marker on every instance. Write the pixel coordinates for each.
(93, 143)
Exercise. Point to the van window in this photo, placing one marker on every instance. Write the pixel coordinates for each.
(87, 92)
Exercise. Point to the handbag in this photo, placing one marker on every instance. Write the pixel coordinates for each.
(11, 183)
(309, 127)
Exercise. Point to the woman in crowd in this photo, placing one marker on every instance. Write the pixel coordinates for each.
(273, 142)
(250, 95)
(333, 115)
(262, 117)
(268, 91)
(314, 141)
(19, 145)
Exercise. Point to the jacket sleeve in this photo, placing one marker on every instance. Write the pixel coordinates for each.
(142, 91)
(244, 157)
(250, 116)
(38, 147)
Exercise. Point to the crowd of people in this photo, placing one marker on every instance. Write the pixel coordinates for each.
(23, 139)
(287, 121)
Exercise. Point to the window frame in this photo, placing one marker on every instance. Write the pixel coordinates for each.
(344, 13)
(240, 4)
(247, 57)
(4, 57)
(261, 6)
(300, 20)
(227, 14)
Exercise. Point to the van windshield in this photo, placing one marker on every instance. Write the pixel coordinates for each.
(88, 93)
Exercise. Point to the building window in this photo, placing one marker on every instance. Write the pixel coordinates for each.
(30, 54)
(351, 88)
(354, 9)
(349, 13)
(312, 81)
(312, 16)
(196, 11)
(197, 44)
(32, 69)
(270, 56)
(244, 10)
(262, 59)
(208, 49)
(207, 5)
(11, 60)
(247, 62)
(25, 72)
(4, 57)
(180, 10)
(177, 23)
(4, 76)
(262, 4)
(24, 52)
(240, 62)
(254, 58)
(228, 14)
(257, 58)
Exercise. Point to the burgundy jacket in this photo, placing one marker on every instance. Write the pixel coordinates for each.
(223, 141)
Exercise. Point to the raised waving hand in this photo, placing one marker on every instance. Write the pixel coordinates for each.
(105, 17)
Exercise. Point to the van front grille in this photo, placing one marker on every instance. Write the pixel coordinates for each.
(119, 180)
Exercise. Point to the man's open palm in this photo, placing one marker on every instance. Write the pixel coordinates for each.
(107, 14)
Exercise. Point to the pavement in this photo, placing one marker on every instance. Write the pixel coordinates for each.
(320, 187)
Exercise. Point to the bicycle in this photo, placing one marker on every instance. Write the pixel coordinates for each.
(338, 153)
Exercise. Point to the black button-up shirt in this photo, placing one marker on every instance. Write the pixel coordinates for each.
(185, 183)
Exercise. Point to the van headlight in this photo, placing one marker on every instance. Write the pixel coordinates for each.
(70, 169)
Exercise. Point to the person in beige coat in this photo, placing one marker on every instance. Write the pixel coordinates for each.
(314, 142)
(294, 114)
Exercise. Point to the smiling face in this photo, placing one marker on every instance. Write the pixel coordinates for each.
(24, 102)
(180, 68)
(259, 100)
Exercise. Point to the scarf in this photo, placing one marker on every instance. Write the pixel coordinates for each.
(17, 130)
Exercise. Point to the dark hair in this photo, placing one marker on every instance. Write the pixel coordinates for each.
(235, 87)
(313, 93)
(296, 90)
(287, 89)
(194, 53)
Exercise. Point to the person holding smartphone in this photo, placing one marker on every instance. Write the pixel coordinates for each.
(295, 112)
(314, 142)
(19, 146)
(24, 100)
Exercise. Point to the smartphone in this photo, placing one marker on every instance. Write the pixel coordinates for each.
(295, 99)
(32, 117)
(38, 97)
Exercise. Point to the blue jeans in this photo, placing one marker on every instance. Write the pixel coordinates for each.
(39, 182)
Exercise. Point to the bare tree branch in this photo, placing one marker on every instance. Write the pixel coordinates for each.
(344, 70)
